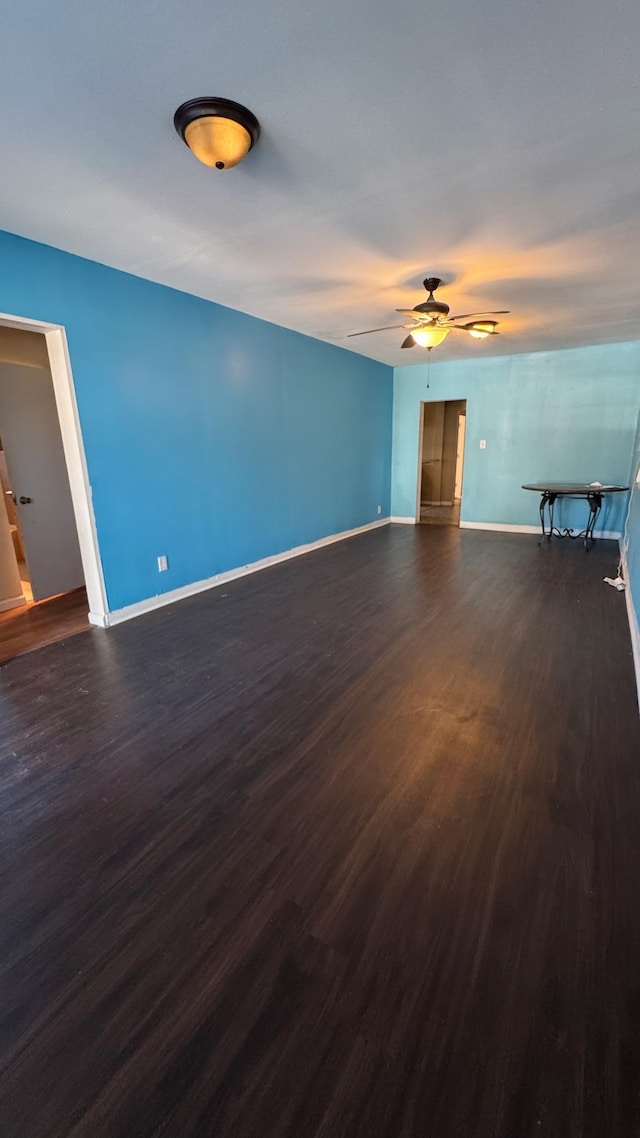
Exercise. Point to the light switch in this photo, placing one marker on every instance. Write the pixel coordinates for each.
(483, 444)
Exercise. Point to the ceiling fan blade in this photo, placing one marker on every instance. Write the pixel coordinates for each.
(368, 332)
(423, 317)
(465, 328)
(408, 343)
(466, 315)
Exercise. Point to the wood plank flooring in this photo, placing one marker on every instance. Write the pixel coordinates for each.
(42, 622)
(346, 849)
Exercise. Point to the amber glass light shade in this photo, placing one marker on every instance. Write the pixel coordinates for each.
(218, 142)
(430, 337)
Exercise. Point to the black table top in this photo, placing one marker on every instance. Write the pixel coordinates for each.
(580, 488)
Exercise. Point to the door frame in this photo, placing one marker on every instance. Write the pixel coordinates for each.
(464, 451)
(424, 403)
(74, 453)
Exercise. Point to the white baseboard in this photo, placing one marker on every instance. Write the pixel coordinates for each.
(500, 527)
(403, 521)
(162, 599)
(634, 627)
(12, 603)
(100, 621)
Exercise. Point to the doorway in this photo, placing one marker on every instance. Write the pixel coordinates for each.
(441, 462)
(42, 582)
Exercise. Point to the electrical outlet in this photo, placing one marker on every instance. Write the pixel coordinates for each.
(379, 509)
(483, 444)
(162, 563)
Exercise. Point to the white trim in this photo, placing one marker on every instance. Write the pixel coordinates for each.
(500, 527)
(162, 599)
(634, 628)
(81, 496)
(416, 519)
(12, 603)
(70, 429)
(403, 521)
(101, 620)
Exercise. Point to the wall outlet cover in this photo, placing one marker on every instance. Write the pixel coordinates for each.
(162, 563)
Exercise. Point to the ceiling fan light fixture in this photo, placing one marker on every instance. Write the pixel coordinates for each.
(430, 337)
(432, 322)
(480, 329)
(218, 131)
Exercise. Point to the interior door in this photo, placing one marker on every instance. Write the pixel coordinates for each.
(33, 447)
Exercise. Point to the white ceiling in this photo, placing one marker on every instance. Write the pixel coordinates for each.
(494, 143)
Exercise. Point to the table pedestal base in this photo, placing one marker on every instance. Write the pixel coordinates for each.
(547, 503)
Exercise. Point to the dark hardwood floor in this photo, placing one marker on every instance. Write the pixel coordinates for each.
(346, 849)
(43, 622)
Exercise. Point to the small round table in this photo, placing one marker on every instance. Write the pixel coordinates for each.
(591, 492)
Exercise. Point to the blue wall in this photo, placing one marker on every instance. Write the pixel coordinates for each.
(633, 531)
(568, 415)
(210, 436)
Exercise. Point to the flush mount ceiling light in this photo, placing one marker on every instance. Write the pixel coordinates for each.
(218, 131)
(432, 323)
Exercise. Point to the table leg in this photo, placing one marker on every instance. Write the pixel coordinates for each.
(547, 500)
(595, 504)
(552, 502)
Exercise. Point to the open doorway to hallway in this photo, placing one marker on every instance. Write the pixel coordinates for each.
(441, 462)
(42, 585)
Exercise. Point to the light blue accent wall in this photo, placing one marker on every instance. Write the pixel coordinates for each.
(568, 415)
(633, 529)
(212, 437)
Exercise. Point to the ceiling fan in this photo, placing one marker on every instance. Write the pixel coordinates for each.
(432, 323)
